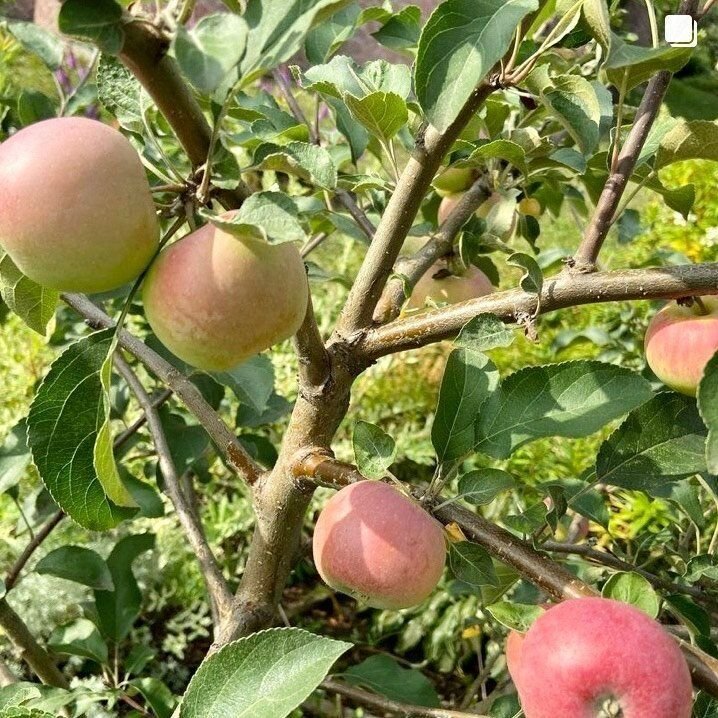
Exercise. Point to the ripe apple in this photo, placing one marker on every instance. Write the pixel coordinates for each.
(598, 658)
(441, 287)
(680, 341)
(214, 299)
(453, 180)
(76, 213)
(378, 545)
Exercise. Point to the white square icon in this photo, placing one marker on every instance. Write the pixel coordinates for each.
(681, 30)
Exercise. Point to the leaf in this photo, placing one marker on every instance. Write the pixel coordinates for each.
(515, 616)
(595, 13)
(270, 216)
(472, 564)
(660, 442)
(80, 638)
(469, 378)
(697, 139)
(383, 114)
(78, 564)
(633, 588)
(325, 39)
(34, 304)
(708, 408)
(119, 92)
(34, 106)
(401, 29)
(497, 149)
(99, 21)
(15, 457)
(68, 433)
(39, 41)
(309, 162)
(23, 712)
(483, 333)
(157, 694)
(482, 486)
(374, 449)
(532, 280)
(695, 618)
(266, 674)
(118, 609)
(383, 675)
(252, 382)
(208, 51)
(460, 44)
(571, 399)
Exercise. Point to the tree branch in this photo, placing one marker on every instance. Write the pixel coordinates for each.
(411, 269)
(584, 260)
(559, 292)
(225, 440)
(127, 434)
(399, 216)
(357, 213)
(219, 593)
(313, 359)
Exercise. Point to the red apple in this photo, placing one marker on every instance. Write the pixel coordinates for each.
(378, 545)
(441, 287)
(598, 658)
(680, 341)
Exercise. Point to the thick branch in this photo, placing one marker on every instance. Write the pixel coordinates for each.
(186, 391)
(412, 269)
(585, 257)
(220, 595)
(389, 707)
(559, 292)
(145, 54)
(399, 216)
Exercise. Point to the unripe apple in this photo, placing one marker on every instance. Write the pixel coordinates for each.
(378, 545)
(598, 658)
(76, 213)
(530, 207)
(447, 206)
(441, 287)
(680, 341)
(453, 180)
(214, 299)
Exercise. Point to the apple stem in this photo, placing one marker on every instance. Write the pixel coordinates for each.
(701, 305)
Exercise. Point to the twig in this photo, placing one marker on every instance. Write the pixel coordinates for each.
(357, 213)
(560, 292)
(313, 359)
(294, 107)
(223, 437)
(412, 269)
(217, 587)
(390, 707)
(313, 243)
(131, 430)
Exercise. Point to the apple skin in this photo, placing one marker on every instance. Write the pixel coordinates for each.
(377, 545)
(447, 206)
(679, 343)
(530, 207)
(451, 289)
(76, 212)
(583, 653)
(453, 180)
(214, 299)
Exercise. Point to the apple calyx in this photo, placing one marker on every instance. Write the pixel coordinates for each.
(609, 707)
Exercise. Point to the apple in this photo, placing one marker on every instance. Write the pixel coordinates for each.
(440, 287)
(680, 341)
(215, 299)
(447, 206)
(599, 658)
(530, 207)
(376, 544)
(76, 212)
(453, 180)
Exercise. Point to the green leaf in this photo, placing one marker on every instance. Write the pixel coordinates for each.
(15, 457)
(695, 618)
(460, 44)
(39, 41)
(483, 333)
(571, 399)
(80, 638)
(482, 486)
(68, 433)
(374, 449)
(118, 609)
(269, 216)
(325, 39)
(119, 92)
(383, 114)
(532, 280)
(697, 139)
(34, 304)
(634, 589)
(641, 63)
(252, 382)
(496, 149)
(266, 674)
(99, 21)
(472, 564)
(78, 564)
(708, 407)
(23, 712)
(307, 161)
(660, 442)
(515, 616)
(400, 30)
(34, 106)
(157, 694)
(469, 378)
(208, 52)
(383, 675)
(598, 21)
